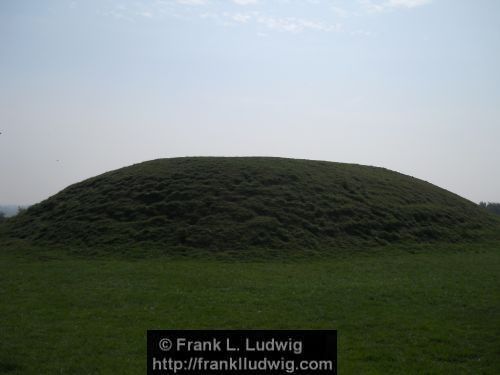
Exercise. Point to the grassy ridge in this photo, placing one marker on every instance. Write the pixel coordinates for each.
(240, 203)
(431, 310)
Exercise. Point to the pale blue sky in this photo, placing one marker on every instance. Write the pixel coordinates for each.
(90, 86)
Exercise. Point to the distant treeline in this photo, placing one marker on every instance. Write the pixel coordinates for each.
(10, 210)
(492, 207)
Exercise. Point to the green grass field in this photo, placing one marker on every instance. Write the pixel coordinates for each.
(418, 310)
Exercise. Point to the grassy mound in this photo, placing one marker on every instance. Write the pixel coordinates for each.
(237, 203)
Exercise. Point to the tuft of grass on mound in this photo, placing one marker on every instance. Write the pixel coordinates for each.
(250, 202)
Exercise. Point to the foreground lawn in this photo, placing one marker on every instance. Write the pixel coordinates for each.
(425, 310)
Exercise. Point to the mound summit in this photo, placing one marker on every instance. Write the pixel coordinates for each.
(244, 202)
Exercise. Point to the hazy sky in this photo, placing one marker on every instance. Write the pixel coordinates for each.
(89, 86)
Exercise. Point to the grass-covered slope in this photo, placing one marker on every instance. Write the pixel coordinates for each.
(212, 202)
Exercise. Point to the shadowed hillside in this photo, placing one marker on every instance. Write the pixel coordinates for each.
(216, 202)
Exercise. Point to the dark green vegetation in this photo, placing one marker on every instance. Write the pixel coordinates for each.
(425, 309)
(240, 203)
